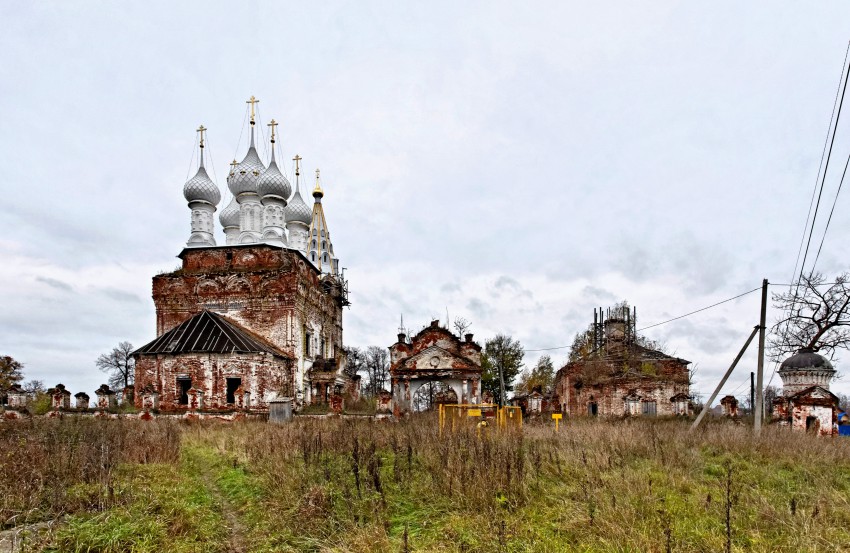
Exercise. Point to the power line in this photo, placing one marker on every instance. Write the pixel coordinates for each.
(699, 310)
(663, 322)
(829, 219)
(820, 165)
(825, 170)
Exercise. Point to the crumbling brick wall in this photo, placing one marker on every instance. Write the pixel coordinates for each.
(273, 292)
(263, 376)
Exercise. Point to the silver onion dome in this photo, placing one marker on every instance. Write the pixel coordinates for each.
(297, 210)
(246, 173)
(201, 188)
(229, 216)
(273, 183)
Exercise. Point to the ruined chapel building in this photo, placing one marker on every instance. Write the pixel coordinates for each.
(618, 376)
(806, 402)
(434, 354)
(258, 318)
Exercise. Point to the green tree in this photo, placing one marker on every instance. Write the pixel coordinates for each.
(500, 362)
(10, 372)
(541, 376)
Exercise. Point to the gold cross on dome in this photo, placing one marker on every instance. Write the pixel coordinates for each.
(201, 131)
(317, 175)
(233, 165)
(297, 159)
(273, 124)
(252, 101)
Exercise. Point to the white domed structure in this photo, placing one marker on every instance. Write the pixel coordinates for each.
(201, 188)
(203, 197)
(273, 189)
(298, 215)
(229, 219)
(243, 185)
(805, 369)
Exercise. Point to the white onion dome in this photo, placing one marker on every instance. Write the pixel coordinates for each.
(273, 183)
(229, 216)
(246, 173)
(201, 188)
(297, 210)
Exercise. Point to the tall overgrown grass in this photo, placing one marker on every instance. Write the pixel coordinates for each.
(51, 467)
(358, 485)
(636, 485)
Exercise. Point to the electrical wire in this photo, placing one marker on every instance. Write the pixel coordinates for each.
(823, 176)
(699, 310)
(664, 322)
(831, 211)
(820, 165)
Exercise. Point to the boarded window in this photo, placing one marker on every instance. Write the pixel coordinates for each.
(649, 408)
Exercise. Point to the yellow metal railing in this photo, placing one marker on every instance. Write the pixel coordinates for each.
(454, 416)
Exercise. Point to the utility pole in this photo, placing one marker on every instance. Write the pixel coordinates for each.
(759, 405)
(501, 379)
(753, 392)
(723, 380)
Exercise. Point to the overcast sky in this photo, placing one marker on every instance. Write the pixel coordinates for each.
(516, 163)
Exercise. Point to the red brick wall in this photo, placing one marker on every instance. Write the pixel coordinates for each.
(262, 376)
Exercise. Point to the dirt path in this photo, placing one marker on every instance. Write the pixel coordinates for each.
(237, 541)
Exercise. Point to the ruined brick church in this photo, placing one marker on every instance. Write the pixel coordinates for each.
(256, 319)
(617, 375)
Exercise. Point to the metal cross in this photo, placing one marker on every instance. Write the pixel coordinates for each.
(297, 159)
(252, 101)
(201, 131)
(273, 124)
(233, 165)
(317, 176)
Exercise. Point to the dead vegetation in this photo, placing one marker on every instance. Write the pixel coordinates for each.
(341, 485)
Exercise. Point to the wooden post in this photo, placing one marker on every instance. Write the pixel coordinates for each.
(759, 406)
(707, 405)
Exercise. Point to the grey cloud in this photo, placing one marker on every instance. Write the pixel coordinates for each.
(54, 283)
(478, 308)
(120, 295)
(598, 294)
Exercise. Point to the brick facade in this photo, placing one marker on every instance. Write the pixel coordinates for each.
(271, 291)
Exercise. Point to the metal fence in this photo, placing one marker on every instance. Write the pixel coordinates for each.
(455, 416)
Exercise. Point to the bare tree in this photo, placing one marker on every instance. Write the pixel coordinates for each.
(34, 386)
(377, 369)
(355, 361)
(461, 326)
(119, 365)
(815, 314)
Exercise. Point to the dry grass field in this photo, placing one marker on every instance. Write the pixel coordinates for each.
(331, 485)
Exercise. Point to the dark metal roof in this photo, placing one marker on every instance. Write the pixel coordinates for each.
(208, 332)
(806, 358)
